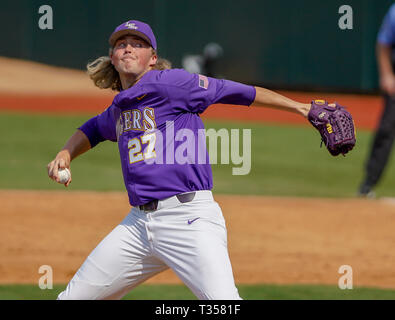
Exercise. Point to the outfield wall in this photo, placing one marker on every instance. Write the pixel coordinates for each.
(279, 44)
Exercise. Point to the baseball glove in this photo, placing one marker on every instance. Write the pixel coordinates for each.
(335, 125)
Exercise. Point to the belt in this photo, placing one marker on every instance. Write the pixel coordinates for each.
(153, 205)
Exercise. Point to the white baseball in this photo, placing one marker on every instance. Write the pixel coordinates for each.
(63, 175)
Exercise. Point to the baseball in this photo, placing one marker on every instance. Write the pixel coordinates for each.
(63, 175)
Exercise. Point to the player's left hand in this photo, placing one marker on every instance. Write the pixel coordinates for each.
(335, 124)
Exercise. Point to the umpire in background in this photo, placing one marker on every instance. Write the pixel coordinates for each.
(384, 137)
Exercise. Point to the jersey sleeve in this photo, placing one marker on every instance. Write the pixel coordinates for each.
(196, 92)
(386, 33)
(101, 127)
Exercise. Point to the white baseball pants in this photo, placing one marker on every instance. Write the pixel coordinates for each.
(190, 238)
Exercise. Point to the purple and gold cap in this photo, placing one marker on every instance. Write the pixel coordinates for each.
(134, 27)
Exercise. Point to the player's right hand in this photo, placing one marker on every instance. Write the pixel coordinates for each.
(61, 161)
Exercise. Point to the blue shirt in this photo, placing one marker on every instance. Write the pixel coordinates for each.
(386, 33)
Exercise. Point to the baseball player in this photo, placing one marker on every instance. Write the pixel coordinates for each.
(174, 221)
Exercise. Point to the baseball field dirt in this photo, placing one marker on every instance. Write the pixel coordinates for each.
(271, 240)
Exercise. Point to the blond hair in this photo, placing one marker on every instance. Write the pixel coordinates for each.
(104, 75)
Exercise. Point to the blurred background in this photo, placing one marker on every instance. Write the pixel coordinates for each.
(283, 43)
(298, 239)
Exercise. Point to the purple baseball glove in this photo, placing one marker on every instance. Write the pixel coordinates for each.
(335, 125)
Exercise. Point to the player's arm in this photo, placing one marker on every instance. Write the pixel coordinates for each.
(387, 77)
(205, 91)
(333, 121)
(92, 132)
(75, 146)
(271, 99)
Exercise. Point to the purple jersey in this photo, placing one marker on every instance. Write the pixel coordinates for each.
(157, 126)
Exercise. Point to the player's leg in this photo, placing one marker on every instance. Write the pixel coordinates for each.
(192, 240)
(121, 261)
(381, 146)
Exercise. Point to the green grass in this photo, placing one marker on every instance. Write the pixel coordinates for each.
(247, 292)
(286, 160)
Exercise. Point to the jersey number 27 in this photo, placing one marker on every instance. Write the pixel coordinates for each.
(134, 146)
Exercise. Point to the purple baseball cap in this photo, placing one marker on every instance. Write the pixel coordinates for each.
(134, 27)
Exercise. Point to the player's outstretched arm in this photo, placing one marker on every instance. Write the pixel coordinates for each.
(334, 122)
(271, 99)
(75, 146)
